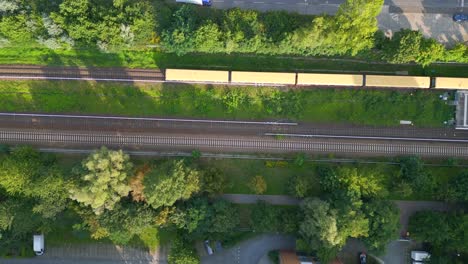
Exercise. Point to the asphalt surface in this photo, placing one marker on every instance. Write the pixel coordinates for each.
(94, 253)
(331, 6)
(252, 250)
(397, 252)
(251, 199)
(408, 208)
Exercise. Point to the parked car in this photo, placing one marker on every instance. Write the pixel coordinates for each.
(419, 257)
(460, 17)
(362, 258)
(196, 2)
(208, 249)
(38, 244)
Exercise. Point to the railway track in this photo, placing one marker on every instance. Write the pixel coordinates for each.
(79, 73)
(216, 143)
(225, 127)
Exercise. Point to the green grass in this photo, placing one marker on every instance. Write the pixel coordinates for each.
(149, 58)
(240, 172)
(354, 106)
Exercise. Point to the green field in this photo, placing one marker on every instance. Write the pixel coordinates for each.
(240, 172)
(149, 58)
(353, 106)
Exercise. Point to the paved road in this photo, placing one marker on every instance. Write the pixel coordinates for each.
(94, 254)
(408, 208)
(331, 6)
(251, 199)
(252, 250)
(398, 252)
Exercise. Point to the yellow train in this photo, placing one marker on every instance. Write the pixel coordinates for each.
(315, 79)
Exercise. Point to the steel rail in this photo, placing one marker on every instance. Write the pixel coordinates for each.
(223, 143)
(369, 137)
(78, 79)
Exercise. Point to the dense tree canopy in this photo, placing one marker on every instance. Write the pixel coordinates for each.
(457, 189)
(26, 173)
(112, 25)
(214, 182)
(412, 171)
(384, 223)
(182, 252)
(120, 224)
(103, 179)
(446, 233)
(319, 228)
(170, 182)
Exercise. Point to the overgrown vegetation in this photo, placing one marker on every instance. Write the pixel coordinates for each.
(445, 234)
(130, 25)
(366, 107)
(350, 201)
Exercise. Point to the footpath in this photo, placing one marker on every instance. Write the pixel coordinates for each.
(407, 208)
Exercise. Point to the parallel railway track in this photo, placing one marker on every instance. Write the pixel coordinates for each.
(216, 143)
(225, 127)
(79, 73)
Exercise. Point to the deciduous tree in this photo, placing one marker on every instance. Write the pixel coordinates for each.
(26, 172)
(384, 223)
(103, 179)
(170, 182)
(319, 228)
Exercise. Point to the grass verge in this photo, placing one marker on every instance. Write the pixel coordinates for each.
(353, 106)
(149, 58)
(240, 172)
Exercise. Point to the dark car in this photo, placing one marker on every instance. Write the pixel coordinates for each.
(459, 17)
(363, 258)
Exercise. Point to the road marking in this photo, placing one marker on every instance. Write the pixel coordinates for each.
(151, 119)
(369, 137)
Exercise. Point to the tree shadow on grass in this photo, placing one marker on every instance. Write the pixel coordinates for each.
(88, 64)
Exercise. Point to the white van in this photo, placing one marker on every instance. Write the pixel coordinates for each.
(196, 2)
(419, 256)
(38, 244)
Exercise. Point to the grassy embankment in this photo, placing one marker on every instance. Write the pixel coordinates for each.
(156, 59)
(353, 106)
(241, 171)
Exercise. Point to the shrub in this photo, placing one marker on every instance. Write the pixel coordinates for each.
(258, 184)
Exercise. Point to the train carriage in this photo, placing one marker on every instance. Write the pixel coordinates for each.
(197, 75)
(330, 79)
(451, 83)
(263, 77)
(397, 81)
